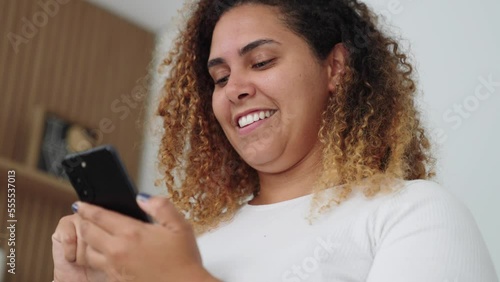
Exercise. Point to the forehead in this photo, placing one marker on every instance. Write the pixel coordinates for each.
(244, 24)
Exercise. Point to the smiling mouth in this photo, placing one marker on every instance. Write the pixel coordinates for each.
(247, 120)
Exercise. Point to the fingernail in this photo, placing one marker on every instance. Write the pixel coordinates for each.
(74, 207)
(143, 197)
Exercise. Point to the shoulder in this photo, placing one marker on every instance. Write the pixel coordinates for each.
(423, 203)
(424, 195)
(425, 217)
(422, 225)
(415, 190)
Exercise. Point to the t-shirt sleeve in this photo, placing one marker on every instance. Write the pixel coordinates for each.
(423, 233)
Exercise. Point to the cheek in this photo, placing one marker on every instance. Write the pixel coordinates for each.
(292, 80)
(218, 108)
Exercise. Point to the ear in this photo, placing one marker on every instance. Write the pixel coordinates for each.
(336, 65)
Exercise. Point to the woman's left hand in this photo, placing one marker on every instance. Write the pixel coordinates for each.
(131, 250)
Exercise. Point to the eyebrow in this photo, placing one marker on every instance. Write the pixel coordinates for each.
(249, 47)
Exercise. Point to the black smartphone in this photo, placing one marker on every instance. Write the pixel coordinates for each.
(99, 177)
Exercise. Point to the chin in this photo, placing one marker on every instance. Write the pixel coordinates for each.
(260, 160)
(260, 152)
(255, 159)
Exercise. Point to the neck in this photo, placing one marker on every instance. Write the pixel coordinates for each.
(294, 182)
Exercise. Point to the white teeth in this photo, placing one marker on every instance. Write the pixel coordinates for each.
(251, 118)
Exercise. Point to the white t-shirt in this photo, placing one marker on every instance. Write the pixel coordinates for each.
(420, 233)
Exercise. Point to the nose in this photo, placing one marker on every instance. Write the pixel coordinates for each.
(239, 88)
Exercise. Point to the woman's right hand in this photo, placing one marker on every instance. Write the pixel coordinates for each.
(69, 253)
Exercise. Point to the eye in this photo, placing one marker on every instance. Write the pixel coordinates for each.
(262, 64)
(222, 80)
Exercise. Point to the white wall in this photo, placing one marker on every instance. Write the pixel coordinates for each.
(455, 44)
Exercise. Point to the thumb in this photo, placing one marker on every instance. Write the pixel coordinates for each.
(162, 210)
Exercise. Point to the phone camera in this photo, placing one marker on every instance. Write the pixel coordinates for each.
(82, 188)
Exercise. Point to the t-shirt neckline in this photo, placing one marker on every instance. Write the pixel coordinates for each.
(278, 204)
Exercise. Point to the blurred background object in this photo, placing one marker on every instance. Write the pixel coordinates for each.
(72, 76)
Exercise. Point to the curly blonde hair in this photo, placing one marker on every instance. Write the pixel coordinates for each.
(371, 132)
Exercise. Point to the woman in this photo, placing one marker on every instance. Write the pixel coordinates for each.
(304, 161)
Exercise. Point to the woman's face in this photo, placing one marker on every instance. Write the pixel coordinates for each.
(270, 90)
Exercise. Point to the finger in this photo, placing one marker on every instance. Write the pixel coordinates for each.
(99, 261)
(81, 258)
(161, 210)
(64, 271)
(110, 221)
(58, 253)
(65, 235)
(95, 237)
(96, 259)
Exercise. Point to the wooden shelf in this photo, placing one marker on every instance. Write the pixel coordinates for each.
(32, 180)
